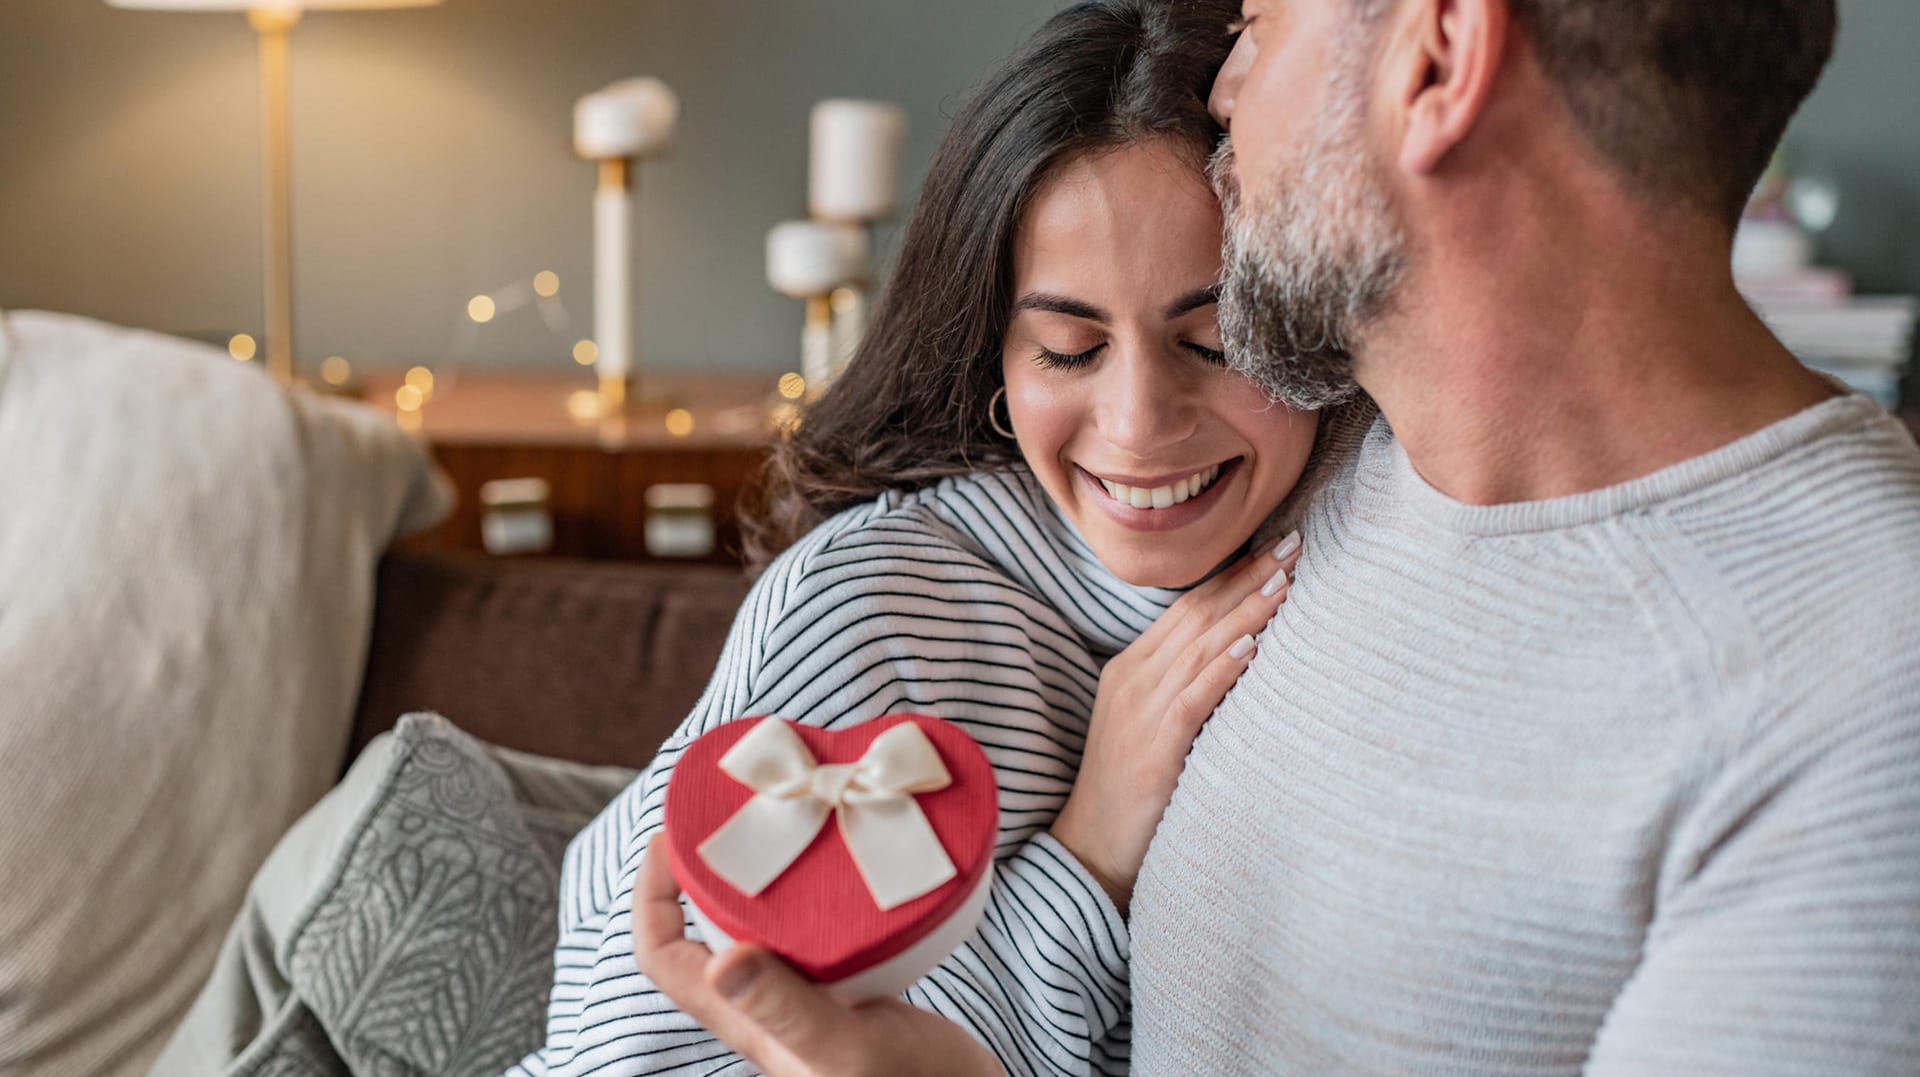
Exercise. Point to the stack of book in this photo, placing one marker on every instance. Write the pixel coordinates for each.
(1865, 341)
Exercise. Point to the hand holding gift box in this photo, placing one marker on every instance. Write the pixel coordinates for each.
(861, 856)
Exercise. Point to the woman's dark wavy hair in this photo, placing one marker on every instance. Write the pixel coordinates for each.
(911, 407)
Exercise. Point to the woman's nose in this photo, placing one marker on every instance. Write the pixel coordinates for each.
(1144, 404)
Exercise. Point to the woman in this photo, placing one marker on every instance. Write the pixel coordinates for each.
(990, 518)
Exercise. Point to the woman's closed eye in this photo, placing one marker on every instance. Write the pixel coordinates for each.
(1054, 360)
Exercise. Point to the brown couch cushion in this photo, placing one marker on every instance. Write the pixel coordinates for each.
(589, 661)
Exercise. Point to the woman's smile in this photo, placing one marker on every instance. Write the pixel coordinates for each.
(1161, 503)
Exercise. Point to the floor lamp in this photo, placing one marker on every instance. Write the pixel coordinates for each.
(272, 19)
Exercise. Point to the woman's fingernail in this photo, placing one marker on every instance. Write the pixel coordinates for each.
(1277, 584)
(1287, 546)
(1242, 647)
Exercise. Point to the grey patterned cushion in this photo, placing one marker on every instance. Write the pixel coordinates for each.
(428, 948)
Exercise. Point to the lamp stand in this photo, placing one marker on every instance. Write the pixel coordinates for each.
(276, 200)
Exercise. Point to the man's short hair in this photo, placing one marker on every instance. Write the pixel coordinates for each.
(1686, 98)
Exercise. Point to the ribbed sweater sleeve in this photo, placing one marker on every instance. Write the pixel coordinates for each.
(1785, 936)
(1788, 940)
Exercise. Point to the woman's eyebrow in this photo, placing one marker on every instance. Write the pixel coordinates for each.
(1194, 300)
(1060, 304)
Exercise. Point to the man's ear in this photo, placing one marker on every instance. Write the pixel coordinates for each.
(1444, 57)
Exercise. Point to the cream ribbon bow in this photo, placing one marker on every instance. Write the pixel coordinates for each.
(892, 843)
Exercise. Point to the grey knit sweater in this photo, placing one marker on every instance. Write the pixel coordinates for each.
(1627, 782)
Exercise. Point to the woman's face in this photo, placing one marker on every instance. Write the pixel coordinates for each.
(1119, 396)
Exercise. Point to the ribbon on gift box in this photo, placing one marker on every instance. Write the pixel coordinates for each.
(892, 844)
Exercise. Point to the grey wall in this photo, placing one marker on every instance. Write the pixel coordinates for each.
(1862, 127)
(431, 159)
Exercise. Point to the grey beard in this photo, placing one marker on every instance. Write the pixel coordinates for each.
(1306, 272)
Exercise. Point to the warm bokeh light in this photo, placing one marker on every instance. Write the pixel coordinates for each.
(408, 398)
(585, 352)
(786, 418)
(422, 379)
(843, 299)
(242, 347)
(679, 422)
(546, 283)
(335, 370)
(792, 386)
(583, 406)
(409, 421)
(480, 308)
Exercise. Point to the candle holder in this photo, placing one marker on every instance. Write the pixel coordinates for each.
(619, 126)
(853, 182)
(810, 260)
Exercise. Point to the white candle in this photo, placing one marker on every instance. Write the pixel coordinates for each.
(812, 258)
(612, 280)
(854, 164)
(617, 125)
(629, 118)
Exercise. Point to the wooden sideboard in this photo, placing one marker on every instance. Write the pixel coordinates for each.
(689, 428)
(483, 427)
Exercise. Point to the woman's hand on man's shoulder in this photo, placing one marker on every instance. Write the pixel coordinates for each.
(1153, 698)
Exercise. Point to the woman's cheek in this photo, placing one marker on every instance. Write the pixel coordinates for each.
(1048, 422)
(1037, 405)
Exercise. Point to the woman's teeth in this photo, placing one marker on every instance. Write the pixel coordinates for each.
(1163, 497)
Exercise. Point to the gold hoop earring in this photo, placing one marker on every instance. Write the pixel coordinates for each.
(993, 414)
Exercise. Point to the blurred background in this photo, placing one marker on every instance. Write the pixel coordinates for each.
(444, 235)
(432, 161)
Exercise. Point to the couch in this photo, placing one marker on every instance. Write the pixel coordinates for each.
(198, 631)
(406, 924)
(594, 662)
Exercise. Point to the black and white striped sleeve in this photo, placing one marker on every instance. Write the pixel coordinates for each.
(866, 618)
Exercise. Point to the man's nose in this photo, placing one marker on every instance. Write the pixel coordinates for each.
(1226, 85)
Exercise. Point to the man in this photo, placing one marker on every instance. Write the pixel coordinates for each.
(1589, 737)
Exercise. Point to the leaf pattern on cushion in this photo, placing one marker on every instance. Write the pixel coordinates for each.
(432, 954)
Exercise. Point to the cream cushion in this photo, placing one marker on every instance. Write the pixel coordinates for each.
(187, 561)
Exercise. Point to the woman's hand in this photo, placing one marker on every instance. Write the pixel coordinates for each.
(776, 1020)
(1153, 698)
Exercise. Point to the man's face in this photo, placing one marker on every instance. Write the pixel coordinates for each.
(1315, 251)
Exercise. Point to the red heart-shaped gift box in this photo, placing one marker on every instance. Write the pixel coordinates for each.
(819, 913)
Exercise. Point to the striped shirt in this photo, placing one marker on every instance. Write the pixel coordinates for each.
(973, 600)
